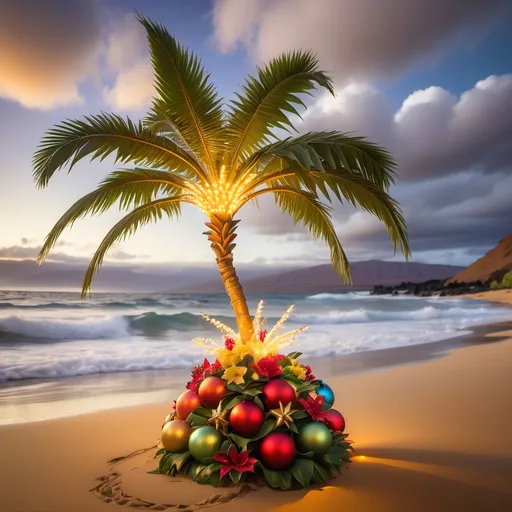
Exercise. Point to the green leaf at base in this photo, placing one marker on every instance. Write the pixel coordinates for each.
(277, 479)
(302, 471)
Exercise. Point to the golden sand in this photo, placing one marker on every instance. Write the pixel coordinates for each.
(434, 435)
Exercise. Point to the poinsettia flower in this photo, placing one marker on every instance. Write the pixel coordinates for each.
(313, 406)
(267, 367)
(240, 462)
(235, 374)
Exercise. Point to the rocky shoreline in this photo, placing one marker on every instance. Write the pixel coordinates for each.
(434, 287)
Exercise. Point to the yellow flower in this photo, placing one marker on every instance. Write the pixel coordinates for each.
(242, 350)
(299, 372)
(227, 358)
(235, 374)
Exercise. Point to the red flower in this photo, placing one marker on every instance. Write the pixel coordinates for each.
(267, 367)
(194, 383)
(215, 367)
(240, 462)
(201, 371)
(229, 343)
(309, 375)
(262, 335)
(313, 406)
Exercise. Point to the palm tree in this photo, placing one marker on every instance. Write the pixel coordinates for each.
(191, 148)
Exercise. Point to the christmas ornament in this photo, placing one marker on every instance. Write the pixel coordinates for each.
(246, 418)
(283, 415)
(175, 435)
(277, 390)
(324, 390)
(277, 451)
(186, 403)
(251, 381)
(314, 437)
(211, 390)
(204, 442)
(335, 420)
(169, 417)
(219, 419)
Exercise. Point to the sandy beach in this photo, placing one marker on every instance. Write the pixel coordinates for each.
(431, 433)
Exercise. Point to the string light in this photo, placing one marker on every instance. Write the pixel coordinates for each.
(219, 196)
(255, 346)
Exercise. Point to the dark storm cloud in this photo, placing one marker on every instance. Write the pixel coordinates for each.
(349, 35)
(433, 133)
(46, 47)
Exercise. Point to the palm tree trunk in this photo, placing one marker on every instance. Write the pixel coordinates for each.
(221, 235)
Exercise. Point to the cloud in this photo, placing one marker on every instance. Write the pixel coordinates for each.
(349, 35)
(455, 168)
(47, 48)
(127, 58)
(133, 87)
(433, 133)
(30, 252)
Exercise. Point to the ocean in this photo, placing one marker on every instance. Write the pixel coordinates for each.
(61, 356)
(55, 335)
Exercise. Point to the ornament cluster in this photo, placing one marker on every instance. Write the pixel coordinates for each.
(254, 415)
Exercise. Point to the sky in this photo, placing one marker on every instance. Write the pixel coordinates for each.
(430, 80)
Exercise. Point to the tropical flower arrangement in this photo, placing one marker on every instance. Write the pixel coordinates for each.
(254, 414)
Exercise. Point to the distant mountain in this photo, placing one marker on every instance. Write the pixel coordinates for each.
(28, 275)
(493, 265)
(322, 278)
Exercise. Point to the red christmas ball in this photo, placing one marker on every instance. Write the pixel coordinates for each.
(186, 403)
(278, 450)
(246, 418)
(211, 390)
(277, 390)
(335, 420)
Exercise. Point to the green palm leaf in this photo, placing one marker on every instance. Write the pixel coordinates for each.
(328, 150)
(131, 188)
(102, 135)
(266, 101)
(354, 188)
(126, 227)
(305, 207)
(186, 97)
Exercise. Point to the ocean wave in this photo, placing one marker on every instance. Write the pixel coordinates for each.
(427, 313)
(69, 364)
(150, 324)
(89, 329)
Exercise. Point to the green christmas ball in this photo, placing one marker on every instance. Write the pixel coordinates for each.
(314, 437)
(204, 442)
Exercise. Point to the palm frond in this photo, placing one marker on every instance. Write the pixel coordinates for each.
(354, 188)
(329, 150)
(267, 100)
(132, 188)
(104, 134)
(187, 98)
(305, 207)
(126, 227)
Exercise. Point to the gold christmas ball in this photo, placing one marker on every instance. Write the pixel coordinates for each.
(175, 435)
